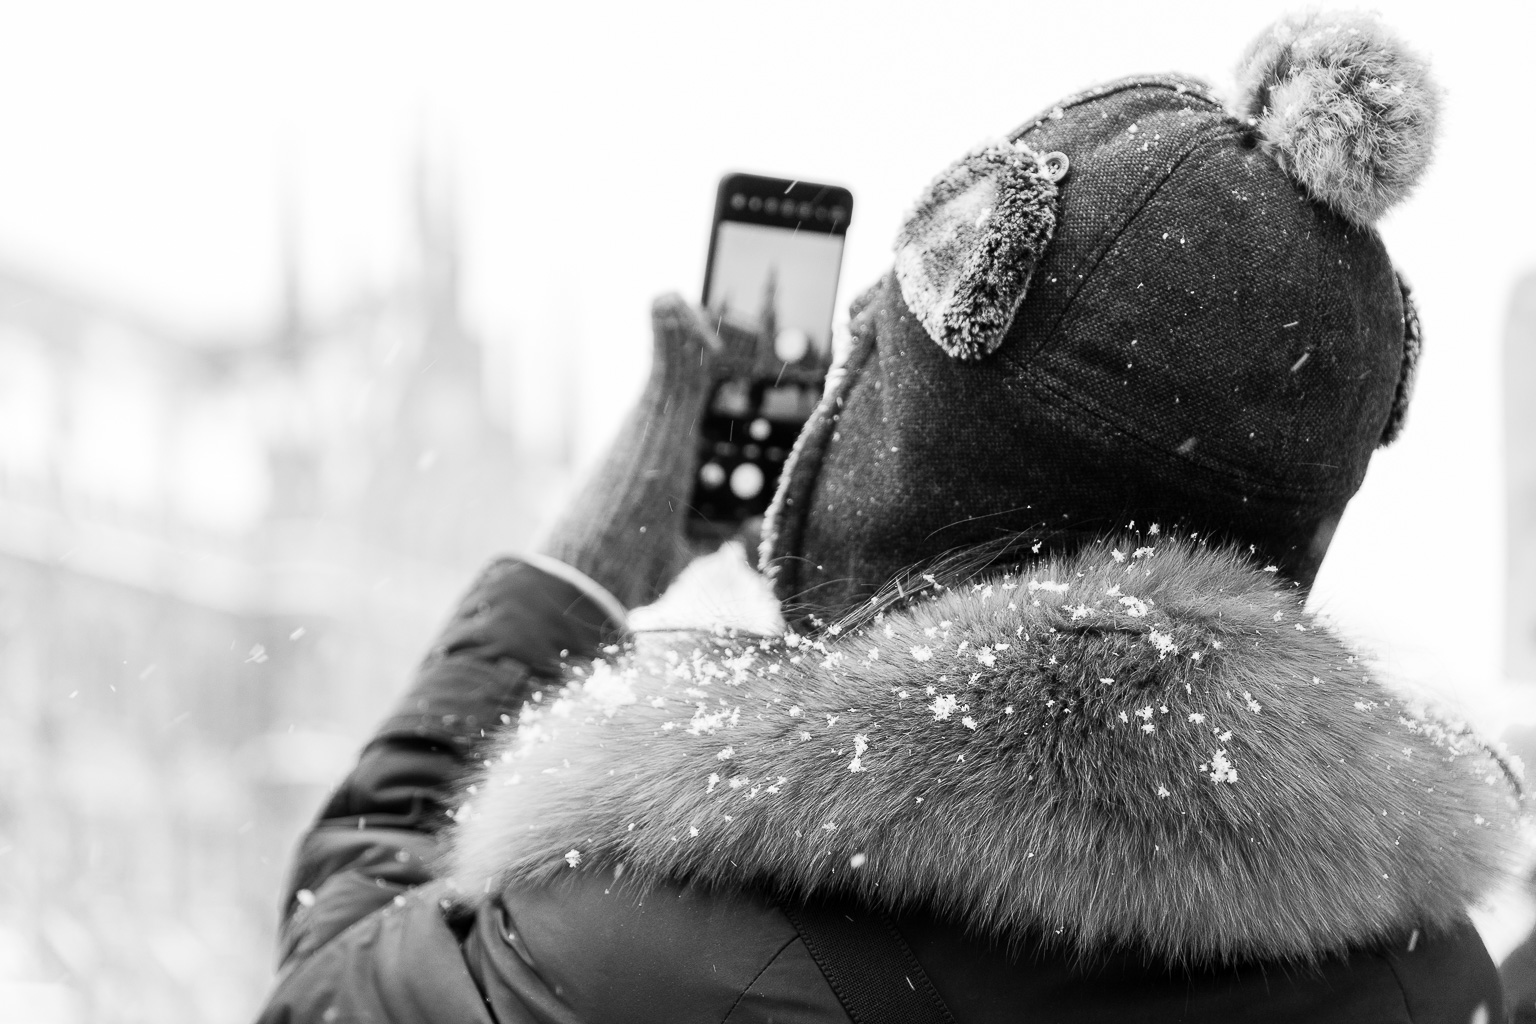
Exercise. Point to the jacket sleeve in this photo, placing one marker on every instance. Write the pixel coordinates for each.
(377, 835)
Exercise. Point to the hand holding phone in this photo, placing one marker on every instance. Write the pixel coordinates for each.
(770, 291)
(625, 527)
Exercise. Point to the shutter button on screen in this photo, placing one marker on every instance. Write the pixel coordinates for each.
(746, 481)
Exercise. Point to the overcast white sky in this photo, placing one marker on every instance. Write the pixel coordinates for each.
(149, 149)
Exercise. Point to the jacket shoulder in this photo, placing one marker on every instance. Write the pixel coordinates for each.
(578, 951)
(667, 954)
(401, 964)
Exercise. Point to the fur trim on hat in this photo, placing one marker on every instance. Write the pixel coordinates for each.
(1154, 748)
(1413, 346)
(1344, 106)
(967, 250)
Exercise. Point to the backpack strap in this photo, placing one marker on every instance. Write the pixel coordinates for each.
(868, 964)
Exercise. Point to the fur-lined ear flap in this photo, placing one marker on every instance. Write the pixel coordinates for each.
(967, 250)
(1413, 344)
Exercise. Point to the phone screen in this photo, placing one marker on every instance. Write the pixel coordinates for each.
(776, 275)
(771, 285)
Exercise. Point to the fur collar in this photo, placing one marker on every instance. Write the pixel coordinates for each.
(1157, 749)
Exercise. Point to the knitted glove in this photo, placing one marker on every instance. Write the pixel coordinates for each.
(625, 527)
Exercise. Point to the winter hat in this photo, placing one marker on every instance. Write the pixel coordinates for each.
(1142, 309)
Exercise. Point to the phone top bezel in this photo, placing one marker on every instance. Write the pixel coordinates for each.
(764, 187)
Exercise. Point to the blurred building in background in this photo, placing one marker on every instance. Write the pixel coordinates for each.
(219, 559)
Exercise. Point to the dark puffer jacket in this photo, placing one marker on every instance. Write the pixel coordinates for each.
(1127, 787)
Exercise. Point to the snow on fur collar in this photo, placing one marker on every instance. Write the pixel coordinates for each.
(1158, 750)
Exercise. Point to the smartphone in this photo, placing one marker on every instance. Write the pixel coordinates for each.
(770, 289)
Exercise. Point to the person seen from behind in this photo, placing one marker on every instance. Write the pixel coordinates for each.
(1049, 733)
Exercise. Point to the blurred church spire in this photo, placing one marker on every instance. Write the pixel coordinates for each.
(290, 325)
(1519, 378)
(435, 217)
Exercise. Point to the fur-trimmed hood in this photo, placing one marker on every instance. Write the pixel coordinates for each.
(1152, 747)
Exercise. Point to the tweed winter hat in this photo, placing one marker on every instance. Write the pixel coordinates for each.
(1140, 307)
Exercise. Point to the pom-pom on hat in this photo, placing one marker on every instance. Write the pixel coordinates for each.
(1140, 307)
(1344, 106)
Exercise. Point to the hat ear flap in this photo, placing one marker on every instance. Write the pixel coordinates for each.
(967, 250)
(1413, 345)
